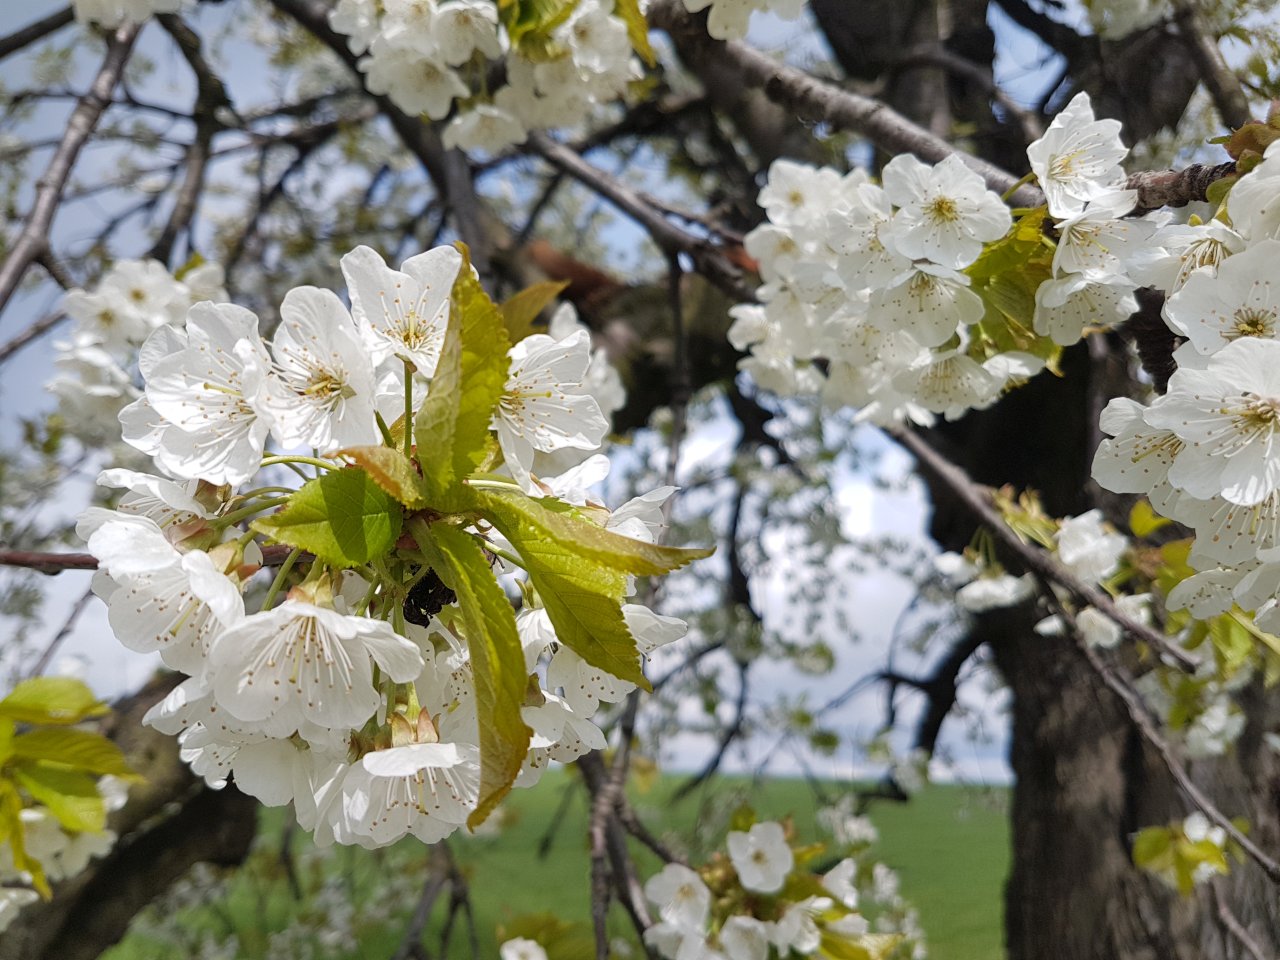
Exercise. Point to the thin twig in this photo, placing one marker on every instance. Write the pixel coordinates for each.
(35, 32)
(1236, 928)
(55, 642)
(34, 238)
(33, 332)
(47, 562)
(977, 499)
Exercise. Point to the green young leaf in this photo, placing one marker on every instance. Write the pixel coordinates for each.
(51, 700)
(529, 24)
(583, 600)
(1144, 521)
(392, 471)
(637, 29)
(497, 658)
(523, 519)
(343, 517)
(78, 749)
(72, 797)
(452, 428)
(521, 309)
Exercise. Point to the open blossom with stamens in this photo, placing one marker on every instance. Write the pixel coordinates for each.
(323, 394)
(202, 401)
(1241, 300)
(946, 211)
(403, 312)
(299, 662)
(544, 407)
(1228, 417)
(1078, 158)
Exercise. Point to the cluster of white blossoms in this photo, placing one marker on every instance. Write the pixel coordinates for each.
(113, 13)
(728, 19)
(881, 296)
(61, 854)
(762, 903)
(97, 364)
(867, 277)
(334, 698)
(427, 55)
(1204, 452)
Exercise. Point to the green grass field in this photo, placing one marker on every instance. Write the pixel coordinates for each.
(949, 845)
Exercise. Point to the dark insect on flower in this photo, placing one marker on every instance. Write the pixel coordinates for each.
(427, 598)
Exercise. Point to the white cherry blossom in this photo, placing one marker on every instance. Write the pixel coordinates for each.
(945, 211)
(323, 394)
(543, 407)
(761, 856)
(299, 662)
(1078, 158)
(1227, 416)
(403, 312)
(203, 391)
(681, 897)
(1241, 300)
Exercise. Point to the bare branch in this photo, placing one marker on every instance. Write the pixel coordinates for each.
(673, 239)
(272, 556)
(35, 32)
(977, 500)
(34, 238)
(820, 100)
(33, 332)
(1219, 79)
(1176, 188)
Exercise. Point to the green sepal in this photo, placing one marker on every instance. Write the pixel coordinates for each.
(497, 657)
(343, 517)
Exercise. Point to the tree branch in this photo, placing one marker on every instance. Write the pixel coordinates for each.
(272, 556)
(34, 239)
(820, 100)
(35, 32)
(1219, 79)
(977, 500)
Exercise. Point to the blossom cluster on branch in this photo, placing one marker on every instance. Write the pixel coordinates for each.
(384, 686)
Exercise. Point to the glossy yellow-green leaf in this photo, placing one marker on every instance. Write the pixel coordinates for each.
(584, 602)
(342, 516)
(77, 749)
(392, 471)
(51, 700)
(637, 29)
(522, 309)
(497, 659)
(529, 24)
(451, 429)
(72, 797)
(524, 518)
(1144, 521)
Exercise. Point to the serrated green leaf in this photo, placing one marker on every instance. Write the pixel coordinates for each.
(582, 598)
(343, 517)
(77, 749)
(51, 700)
(522, 519)
(521, 309)
(452, 428)
(392, 471)
(637, 29)
(497, 659)
(71, 797)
